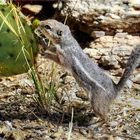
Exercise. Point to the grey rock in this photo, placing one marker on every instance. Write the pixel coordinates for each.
(105, 15)
(136, 78)
(109, 61)
(97, 34)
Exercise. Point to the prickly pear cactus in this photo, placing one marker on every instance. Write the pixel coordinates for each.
(18, 46)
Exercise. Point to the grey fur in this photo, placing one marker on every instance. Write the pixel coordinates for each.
(97, 84)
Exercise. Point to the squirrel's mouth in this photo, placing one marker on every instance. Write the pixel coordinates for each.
(44, 38)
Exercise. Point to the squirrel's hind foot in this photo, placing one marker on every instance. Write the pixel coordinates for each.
(97, 123)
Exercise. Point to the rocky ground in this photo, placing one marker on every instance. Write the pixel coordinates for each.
(69, 116)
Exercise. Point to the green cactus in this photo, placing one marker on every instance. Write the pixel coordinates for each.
(18, 46)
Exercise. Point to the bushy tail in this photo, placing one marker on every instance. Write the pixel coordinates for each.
(133, 62)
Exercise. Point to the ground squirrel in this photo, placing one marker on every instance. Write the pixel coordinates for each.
(68, 53)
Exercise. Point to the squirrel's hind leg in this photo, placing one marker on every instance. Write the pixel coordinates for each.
(100, 104)
(101, 118)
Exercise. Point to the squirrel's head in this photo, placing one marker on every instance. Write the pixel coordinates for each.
(52, 30)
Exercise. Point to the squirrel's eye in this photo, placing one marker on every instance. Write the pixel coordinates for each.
(59, 33)
(47, 27)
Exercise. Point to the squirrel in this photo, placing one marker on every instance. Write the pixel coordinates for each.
(66, 51)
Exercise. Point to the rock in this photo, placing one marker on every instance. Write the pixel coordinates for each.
(113, 16)
(121, 51)
(109, 61)
(25, 83)
(108, 16)
(82, 94)
(134, 102)
(113, 123)
(136, 78)
(97, 34)
(129, 83)
(33, 8)
(118, 138)
(112, 51)
(133, 41)
(135, 4)
(93, 53)
(58, 5)
(121, 35)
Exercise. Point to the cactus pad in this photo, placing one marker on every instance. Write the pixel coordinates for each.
(17, 42)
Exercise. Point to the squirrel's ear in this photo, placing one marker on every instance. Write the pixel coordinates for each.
(68, 29)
